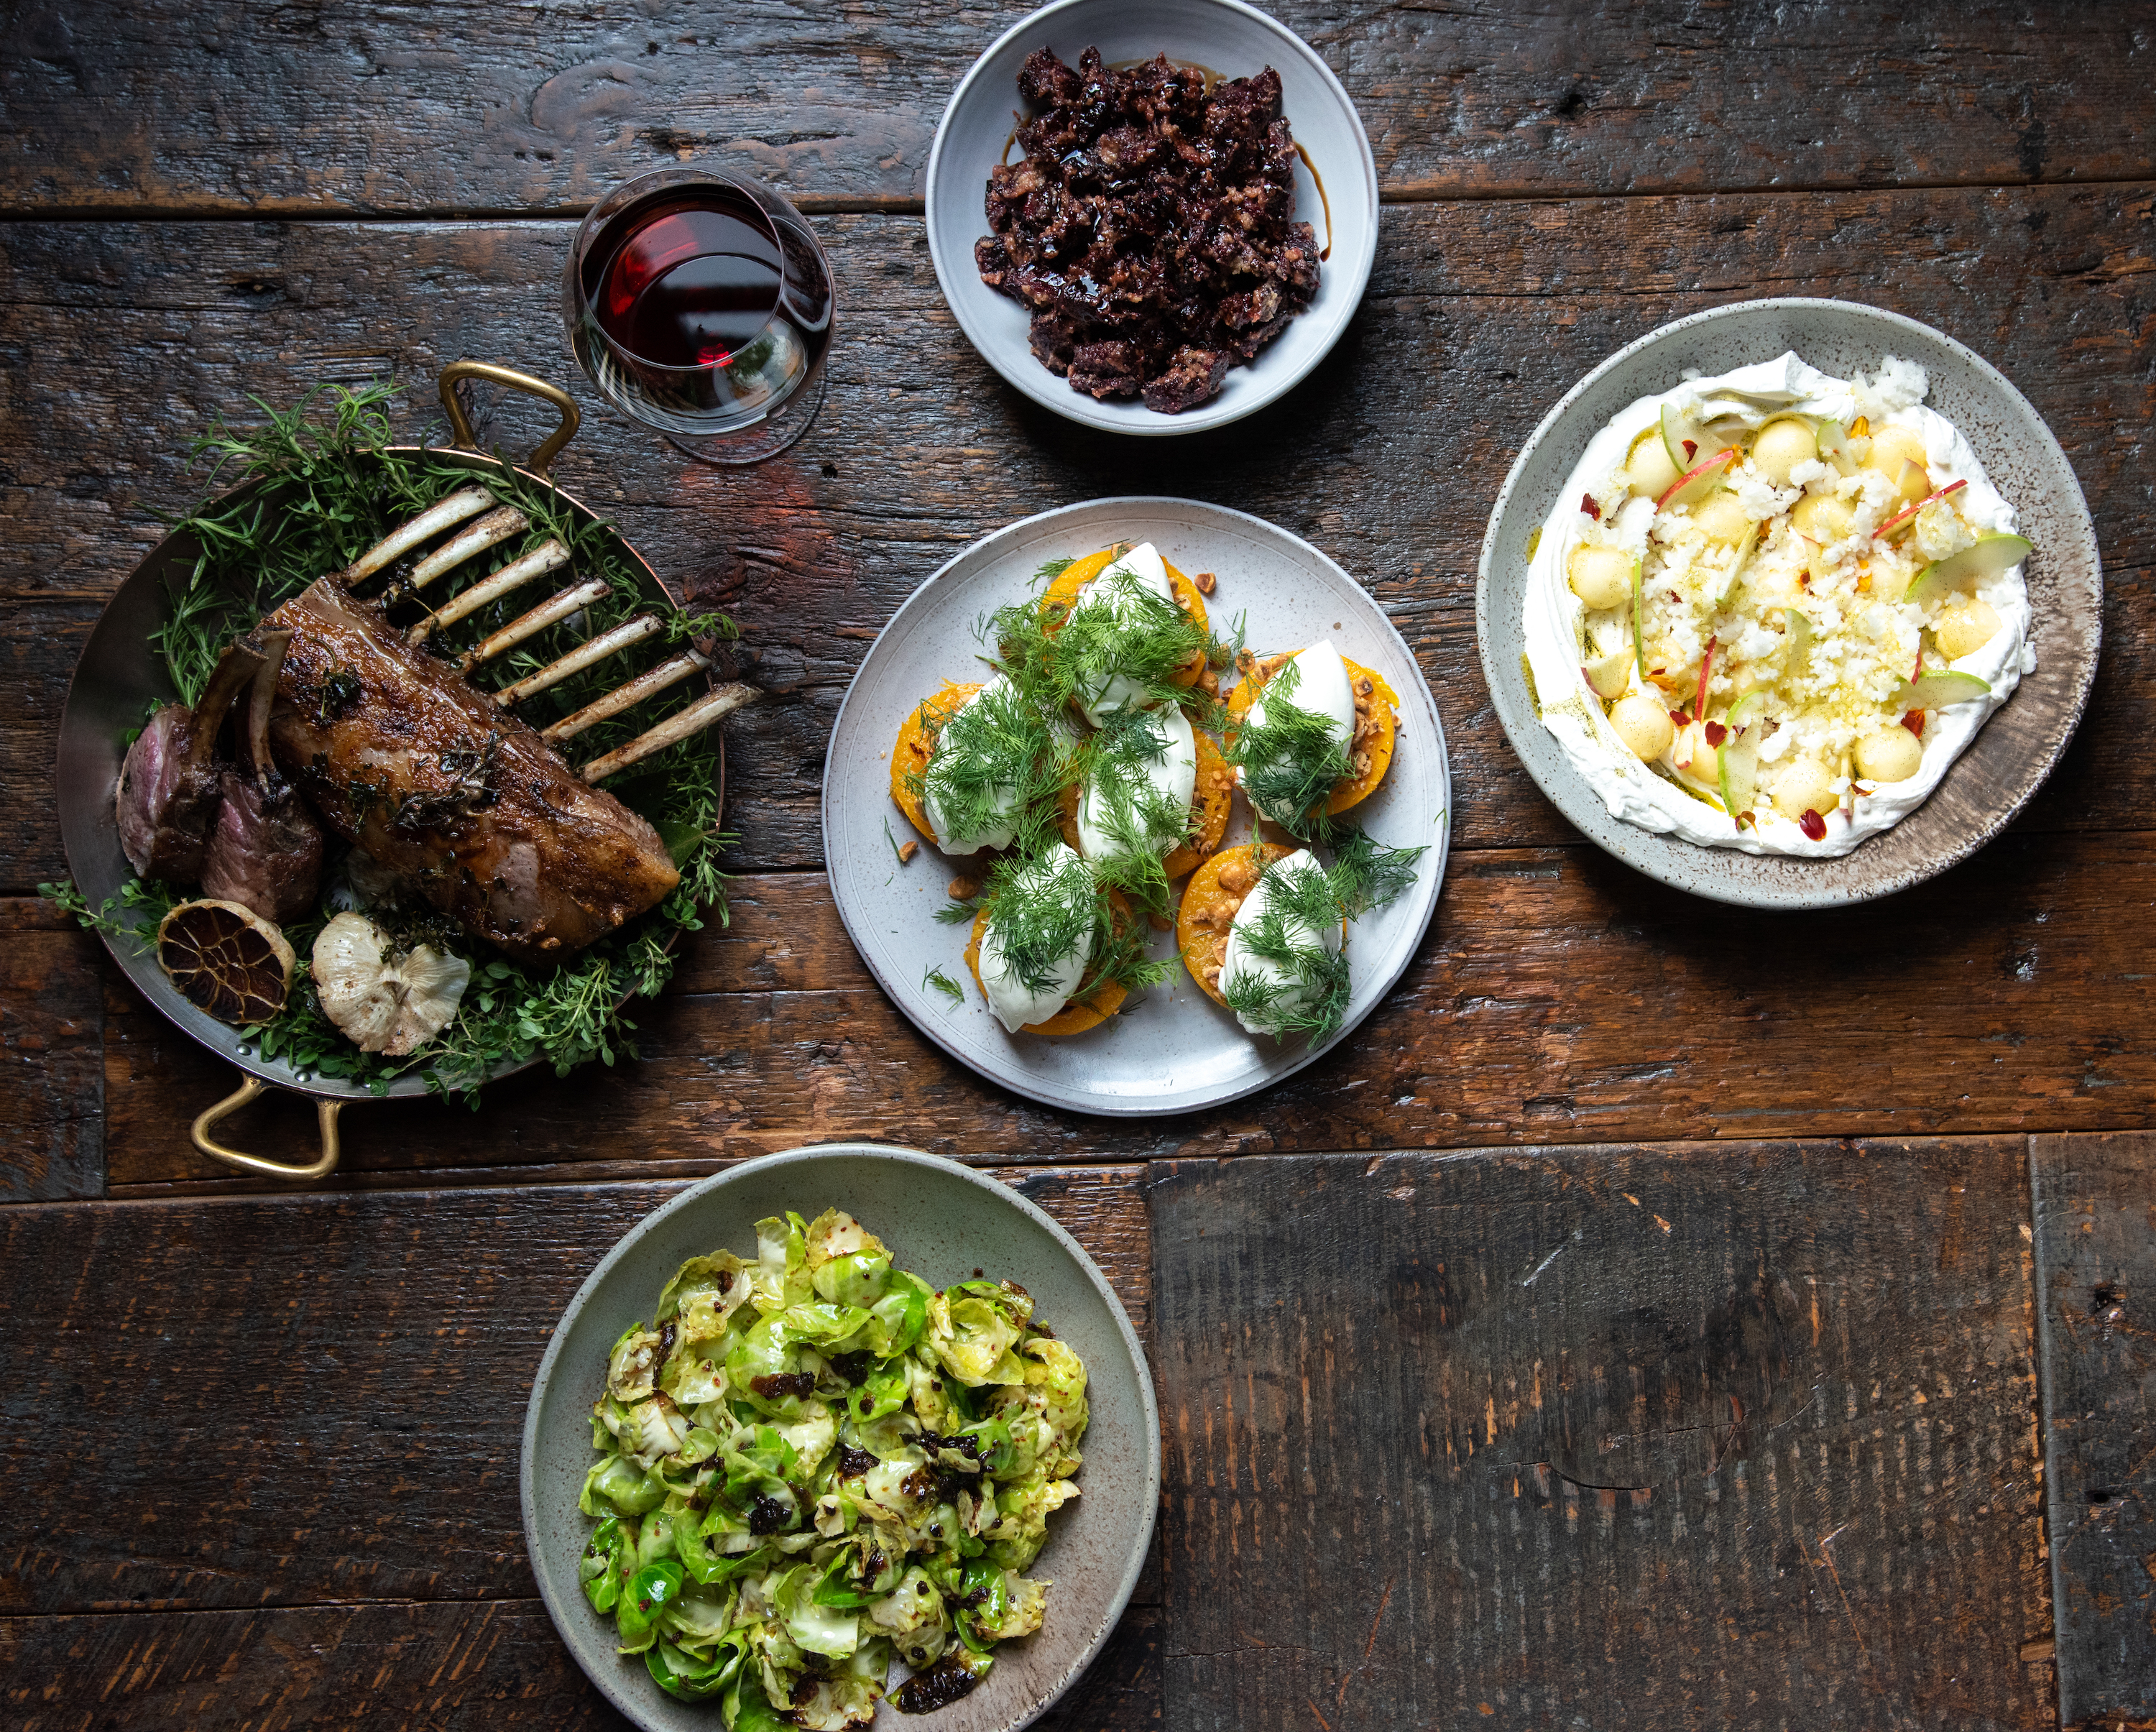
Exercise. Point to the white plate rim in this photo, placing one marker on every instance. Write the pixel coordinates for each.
(1688, 866)
(1050, 390)
(1411, 686)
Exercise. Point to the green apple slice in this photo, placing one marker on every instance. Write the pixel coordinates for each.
(1834, 446)
(1702, 478)
(1904, 520)
(1608, 676)
(1935, 691)
(1991, 555)
(1745, 712)
(1744, 552)
(1640, 617)
(1797, 646)
(1739, 773)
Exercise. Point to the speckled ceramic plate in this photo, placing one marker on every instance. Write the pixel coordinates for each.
(1230, 38)
(1173, 1050)
(943, 1221)
(2014, 751)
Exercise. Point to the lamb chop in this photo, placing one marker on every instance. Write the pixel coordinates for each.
(439, 783)
(265, 848)
(168, 790)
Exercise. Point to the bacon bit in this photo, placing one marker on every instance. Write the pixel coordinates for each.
(1812, 825)
(1914, 722)
(1716, 733)
(1586, 504)
(1705, 668)
(1691, 449)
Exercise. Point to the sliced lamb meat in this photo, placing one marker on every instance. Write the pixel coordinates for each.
(463, 803)
(167, 795)
(266, 849)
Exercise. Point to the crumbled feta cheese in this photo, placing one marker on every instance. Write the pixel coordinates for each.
(1898, 384)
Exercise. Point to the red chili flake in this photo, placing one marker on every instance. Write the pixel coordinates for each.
(1691, 449)
(1681, 718)
(1804, 580)
(1672, 595)
(1914, 722)
(1586, 504)
(1812, 825)
(1716, 733)
(1917, 672)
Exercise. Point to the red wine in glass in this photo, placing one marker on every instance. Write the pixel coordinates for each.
(701, 307)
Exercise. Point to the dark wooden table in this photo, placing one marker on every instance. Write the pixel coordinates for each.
(260, 1460)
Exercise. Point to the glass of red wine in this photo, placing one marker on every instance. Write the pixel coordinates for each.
(702, 306)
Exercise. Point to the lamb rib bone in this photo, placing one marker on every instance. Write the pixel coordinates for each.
(554, 608)
(443, 514)
(548, 555)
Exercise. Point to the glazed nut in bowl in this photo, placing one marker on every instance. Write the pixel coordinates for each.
(945, 1223)
(1878, 544)
(1257, 297)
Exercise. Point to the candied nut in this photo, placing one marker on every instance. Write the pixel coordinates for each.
(1246, 662)
(907, 851)
(962, 890)
(1157, 923)
(1204, 582)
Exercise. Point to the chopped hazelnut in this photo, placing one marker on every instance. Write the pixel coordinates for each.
(907, 851)
(962, 890)
(1237, 875)
(1204, 582)
(1363, 688)
(1360, 764)
(1209, 682)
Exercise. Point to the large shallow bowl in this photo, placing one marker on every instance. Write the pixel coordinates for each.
(2012, 752)
(1226, 37)
(1173, 1050)
(943, 1221)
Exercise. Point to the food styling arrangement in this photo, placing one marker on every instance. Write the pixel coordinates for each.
(396, 770)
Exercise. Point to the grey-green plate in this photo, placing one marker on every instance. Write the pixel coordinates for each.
(943, 1221)
(2012, 752)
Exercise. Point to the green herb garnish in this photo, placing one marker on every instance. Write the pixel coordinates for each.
(945, 984)
(1291, 758)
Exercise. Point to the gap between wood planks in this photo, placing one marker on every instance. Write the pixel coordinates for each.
(309, 211)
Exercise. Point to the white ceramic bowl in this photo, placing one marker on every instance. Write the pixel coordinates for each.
(943, 1221)
(1229, 38)
(2012, 752)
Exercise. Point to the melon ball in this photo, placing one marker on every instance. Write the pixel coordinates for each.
(1644, 725)
(1803, 787)
(1600, 576)
(1964, 627)
(1889, 754)
(1780, 447)
(1648, 468)
(1721, 518)
(1823, 517)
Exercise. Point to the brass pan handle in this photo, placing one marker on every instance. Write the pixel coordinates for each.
(543, 458)
(320, 1167)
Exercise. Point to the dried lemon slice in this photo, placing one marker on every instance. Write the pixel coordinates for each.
(226, 960)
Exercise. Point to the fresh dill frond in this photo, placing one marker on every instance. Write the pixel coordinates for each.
(1117, 630)
(1291, 757)
(893, 841)
(1300, 910)
(1043, 909)
(991, 761)
(1049, 570)
(1142, 823)
(1365, 874)
(945, 984)
(958, 913)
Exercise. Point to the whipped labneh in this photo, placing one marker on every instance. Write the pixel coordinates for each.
(1771, 606)
(1113, 588)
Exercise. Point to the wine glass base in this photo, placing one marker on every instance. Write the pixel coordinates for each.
(776, 432)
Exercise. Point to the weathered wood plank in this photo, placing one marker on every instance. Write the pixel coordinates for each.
(442, 1664)
(2096, 1286)
(377, 108)
(52, 1059)
(1559, 997)
(126, 339)
(322, 1396)
(1632, 1437)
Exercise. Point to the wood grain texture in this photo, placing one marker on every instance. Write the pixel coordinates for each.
(1558, 997)
(52, 1059)
(310, 1399)
(2096, 1287)
(126, 339)
(377, 108)
(448, 1666)
(1647, 1437)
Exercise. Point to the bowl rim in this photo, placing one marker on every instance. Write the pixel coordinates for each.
(1647, 857)
(1137, 422)
(806, 1156)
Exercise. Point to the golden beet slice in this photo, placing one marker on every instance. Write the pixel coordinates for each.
(1380, 703)
(916, 744)
(1062, 595)
(1088, 1006)
(1216, 891)
(226, 960)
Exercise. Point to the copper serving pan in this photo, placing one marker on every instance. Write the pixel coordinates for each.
(115, 684)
